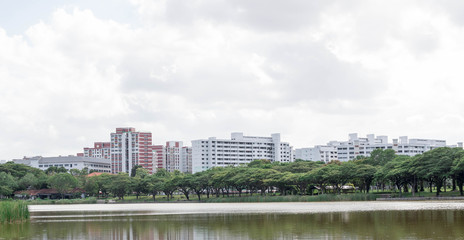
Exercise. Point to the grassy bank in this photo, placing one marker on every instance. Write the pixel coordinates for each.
(63, 201)
(296, 198)
(13, 211)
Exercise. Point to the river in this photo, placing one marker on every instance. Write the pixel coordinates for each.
(318, 220)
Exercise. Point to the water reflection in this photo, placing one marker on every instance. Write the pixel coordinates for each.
(424, 224)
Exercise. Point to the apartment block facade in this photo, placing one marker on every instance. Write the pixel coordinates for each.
(319, 153)
(186, 163)
(173, 156)
(130, 148)
(99, 150)
(159, 156)
(212, 152)
(358, 146)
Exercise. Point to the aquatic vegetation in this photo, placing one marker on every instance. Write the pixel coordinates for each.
(13, 211)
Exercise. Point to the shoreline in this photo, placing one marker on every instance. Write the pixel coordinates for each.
(245, 208)
(422, 199)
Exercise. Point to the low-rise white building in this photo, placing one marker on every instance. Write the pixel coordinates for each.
(68, 162)
(357, 146)
(324, 153)
(212, 152)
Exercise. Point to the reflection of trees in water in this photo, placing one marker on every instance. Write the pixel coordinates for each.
(379, 224)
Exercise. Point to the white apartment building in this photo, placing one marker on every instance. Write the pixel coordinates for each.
(186, 161)
(212, 152)
(68, 162)
(324, 153)
(357, 146)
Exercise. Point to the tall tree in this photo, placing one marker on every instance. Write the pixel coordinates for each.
(397, 171)
(120, 184)
(140, 182)
(380, 157)
(458, 171)
(199, 183)
(155, 185)
(28, 181)
(184, 183)
(436, 166)
(364, 175)
(63, 183)
(7, 184)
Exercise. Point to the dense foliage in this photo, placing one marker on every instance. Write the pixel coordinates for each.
(436, 170)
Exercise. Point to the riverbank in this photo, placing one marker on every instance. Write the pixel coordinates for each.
(296, 198)
(379, 196)
(213, 199)
(422, 199)
(239, 208)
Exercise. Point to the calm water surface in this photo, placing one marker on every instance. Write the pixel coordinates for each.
(339, 220)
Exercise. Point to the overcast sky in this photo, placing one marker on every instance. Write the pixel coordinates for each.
(315, 71)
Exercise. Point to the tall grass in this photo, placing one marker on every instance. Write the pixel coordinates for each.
(13, 211)
(295, 198)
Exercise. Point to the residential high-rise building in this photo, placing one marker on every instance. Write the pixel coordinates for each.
(186, 162)
(130, 148)
(173, 156)
(178, 157)
(212, 152)
(159, 156)
(99, 150)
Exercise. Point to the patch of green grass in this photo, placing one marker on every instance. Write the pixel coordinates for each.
(13, 211)
(149, 199)
(297, 198)
(448, 193)
(63, 201)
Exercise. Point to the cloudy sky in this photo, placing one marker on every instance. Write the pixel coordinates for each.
(70, 73)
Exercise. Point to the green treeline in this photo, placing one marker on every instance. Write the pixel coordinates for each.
(433, 170)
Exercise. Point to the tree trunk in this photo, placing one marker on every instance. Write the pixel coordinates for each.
(399, 189)
(439, 183)
(460, 183)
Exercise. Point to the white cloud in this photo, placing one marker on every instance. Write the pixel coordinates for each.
(312, 71)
